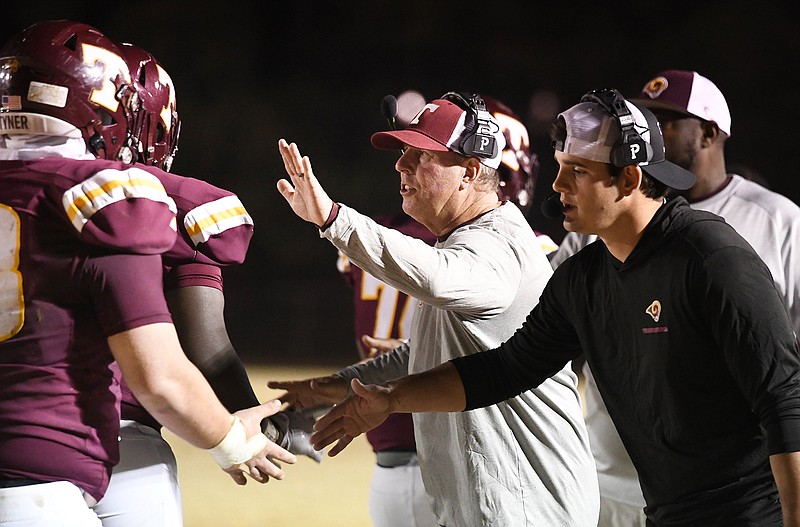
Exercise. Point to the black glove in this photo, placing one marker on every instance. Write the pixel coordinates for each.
(291, 430)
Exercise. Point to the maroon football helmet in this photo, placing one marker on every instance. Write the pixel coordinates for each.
(58, 72)
(149, 102)
(519, 167)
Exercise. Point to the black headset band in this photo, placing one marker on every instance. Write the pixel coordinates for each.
(478, 141)
(470, 103)
(614, 103)
(631, 143)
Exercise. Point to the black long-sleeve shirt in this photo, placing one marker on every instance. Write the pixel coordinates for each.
(693, 354)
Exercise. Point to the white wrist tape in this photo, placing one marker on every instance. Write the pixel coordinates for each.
(235, 448)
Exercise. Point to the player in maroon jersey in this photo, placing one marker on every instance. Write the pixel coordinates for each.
(80, 273)
(214, 230)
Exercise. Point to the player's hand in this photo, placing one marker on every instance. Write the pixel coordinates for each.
(312, 393)
(304, 193)
(263, 464)
(378, 346)
(368, 407)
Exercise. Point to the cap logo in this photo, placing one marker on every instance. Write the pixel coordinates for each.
(656, 87)
(430, 106)
(634, 150)
(654, 310)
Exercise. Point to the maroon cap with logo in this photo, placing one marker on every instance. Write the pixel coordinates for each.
(689, 93)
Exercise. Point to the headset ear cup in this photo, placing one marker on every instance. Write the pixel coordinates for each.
(475, 142)
(632, 150)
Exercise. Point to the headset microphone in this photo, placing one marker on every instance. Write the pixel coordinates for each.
(389, 110)
(552, 207)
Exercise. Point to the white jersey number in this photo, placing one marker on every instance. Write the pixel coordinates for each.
(12, 304)
(387, 297)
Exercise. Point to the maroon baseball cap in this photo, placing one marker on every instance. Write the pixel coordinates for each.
(689, 93)
(443, 126)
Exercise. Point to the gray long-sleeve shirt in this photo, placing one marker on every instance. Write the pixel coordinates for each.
(523, 461)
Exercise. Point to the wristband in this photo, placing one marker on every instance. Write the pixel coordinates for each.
(235, 448)
(331, 217)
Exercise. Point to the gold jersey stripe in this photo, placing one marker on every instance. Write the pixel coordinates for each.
(215, 217)
(85, 199)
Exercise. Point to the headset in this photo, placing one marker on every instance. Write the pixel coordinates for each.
(631, 148)
(478, 139)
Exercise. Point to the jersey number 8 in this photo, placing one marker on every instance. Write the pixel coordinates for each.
(12, 305)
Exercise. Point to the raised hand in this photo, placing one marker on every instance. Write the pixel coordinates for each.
(304, 193)
(368, 407)
(312, 393)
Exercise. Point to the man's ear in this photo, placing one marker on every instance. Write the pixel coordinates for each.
(630, 178)
(711, 132)
(471, 170)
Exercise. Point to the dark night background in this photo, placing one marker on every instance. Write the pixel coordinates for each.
(249, 73)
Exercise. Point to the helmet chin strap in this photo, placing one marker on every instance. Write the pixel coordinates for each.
(95, 143)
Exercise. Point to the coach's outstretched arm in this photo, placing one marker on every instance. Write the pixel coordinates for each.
(305, 195)
(437, 390)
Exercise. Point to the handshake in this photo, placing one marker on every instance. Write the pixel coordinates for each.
(291, 430)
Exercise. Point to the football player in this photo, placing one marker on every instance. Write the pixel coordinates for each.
(81, 275)
(214, 230)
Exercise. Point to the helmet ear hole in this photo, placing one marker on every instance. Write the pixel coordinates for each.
(161, 133)
(97, 144)
(72, 42)
(105, 118)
